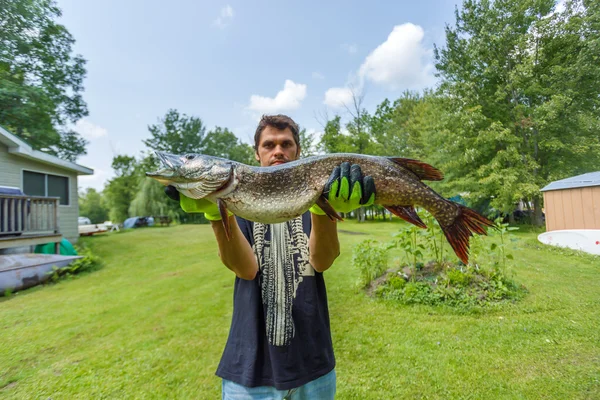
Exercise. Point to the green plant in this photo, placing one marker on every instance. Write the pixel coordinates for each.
(88, 263)
(370, 257)
(499, 250)
(435, 236)
(407, 241)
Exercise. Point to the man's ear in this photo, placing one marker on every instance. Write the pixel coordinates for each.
(298, 152)
(256, 156)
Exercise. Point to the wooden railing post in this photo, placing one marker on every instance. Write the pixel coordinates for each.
(29, 214)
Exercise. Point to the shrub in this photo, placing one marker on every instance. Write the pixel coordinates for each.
(371, 258)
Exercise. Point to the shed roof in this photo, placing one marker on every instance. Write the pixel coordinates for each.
(20, 148)
(579, 181)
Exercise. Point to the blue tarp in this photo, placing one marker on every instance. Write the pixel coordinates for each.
(137, 222)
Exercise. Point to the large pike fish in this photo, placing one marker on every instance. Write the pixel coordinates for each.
(282, 192)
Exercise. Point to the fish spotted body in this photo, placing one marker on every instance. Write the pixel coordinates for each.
(282, 192)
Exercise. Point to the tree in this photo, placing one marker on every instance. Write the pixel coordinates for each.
(121, 190)
(177, 134)
(307, 148)
(525, 87)
(92, 205)
(332, 140)
(40, 80)
(221, 142)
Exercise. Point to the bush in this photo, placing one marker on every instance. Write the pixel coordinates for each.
(371, 258)
(90, 262)
(462, 287)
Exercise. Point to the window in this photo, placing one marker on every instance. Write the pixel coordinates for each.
(38, 184)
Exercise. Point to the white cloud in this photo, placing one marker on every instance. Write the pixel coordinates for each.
(336, 97)
(287, 99)
(89, 130)
(350, 48)
(401, 61)
(225, 18)
(318, 75)
(96, 181)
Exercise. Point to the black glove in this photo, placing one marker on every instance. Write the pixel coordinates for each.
(347, 189)
(172, 193)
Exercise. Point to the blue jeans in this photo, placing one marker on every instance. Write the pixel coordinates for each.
(322, 388)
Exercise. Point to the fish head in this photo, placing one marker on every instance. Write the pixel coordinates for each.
(194, 175)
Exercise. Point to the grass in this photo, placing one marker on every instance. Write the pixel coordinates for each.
(153, 322)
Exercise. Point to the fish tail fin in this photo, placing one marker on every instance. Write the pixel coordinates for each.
(462, 228)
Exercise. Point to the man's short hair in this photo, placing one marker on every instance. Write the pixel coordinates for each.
(280, 122)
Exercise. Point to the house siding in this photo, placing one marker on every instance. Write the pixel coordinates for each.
(11, 174)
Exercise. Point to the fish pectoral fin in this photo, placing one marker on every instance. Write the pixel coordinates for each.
(407, 213)
(224, 217)
(196, 193)
(422, 170)
(326, 207)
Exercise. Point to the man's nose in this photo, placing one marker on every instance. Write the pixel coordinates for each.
(278, 150)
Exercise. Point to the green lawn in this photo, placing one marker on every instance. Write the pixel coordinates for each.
(153, 322)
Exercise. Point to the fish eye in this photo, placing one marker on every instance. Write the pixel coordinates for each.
(190, 157)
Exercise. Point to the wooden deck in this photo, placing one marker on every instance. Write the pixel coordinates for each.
(31, 240)
(29, 221)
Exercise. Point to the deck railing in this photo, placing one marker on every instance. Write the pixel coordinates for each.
(24, 215)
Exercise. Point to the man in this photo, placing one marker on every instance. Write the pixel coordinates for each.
(279, 343)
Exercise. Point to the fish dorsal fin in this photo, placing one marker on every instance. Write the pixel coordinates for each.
(423, 170)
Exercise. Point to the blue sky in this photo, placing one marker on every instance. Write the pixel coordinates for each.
(229, 62)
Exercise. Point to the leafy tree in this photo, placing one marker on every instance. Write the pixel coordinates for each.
(177, 133)
(221, 142)
(525, 90)
(121, 190)
(92, 205)
(333, 140)
(40, 79)
(307, 148)
(398, 128)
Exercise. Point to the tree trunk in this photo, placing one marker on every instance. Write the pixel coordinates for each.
(537, 211)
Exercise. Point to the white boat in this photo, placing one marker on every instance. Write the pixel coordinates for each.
(88, 230)
(21, 271)
(587, 240)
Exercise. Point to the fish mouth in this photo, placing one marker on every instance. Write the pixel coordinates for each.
(171, 163)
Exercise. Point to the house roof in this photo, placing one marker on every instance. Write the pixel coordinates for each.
(18, 147)
(579, 181)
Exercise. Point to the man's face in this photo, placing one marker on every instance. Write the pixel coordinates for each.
(276, 147)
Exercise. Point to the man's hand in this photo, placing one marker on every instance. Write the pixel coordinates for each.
(347, 189)
(189, 205)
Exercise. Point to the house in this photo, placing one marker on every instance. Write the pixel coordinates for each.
(50, 184)
(573, 203)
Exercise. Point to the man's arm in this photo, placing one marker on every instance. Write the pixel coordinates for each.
(323, 244)
(236, 253)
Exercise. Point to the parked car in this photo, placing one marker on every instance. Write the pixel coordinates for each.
(84, 221)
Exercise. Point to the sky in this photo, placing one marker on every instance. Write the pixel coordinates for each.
(230, 62)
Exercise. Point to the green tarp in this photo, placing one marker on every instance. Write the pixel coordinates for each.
(66, 248)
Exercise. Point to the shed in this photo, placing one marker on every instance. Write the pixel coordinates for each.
(49, 184)
(573, 203)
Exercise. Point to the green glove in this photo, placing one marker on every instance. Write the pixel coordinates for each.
(210, 209)
(189, 205)
(347, 189)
